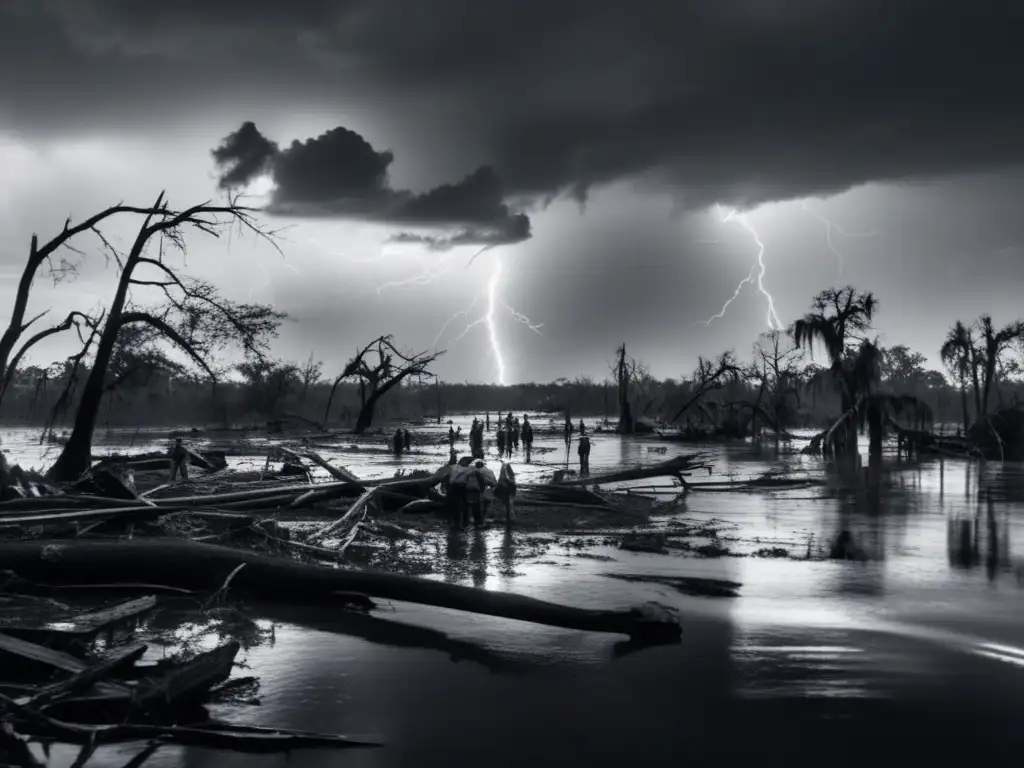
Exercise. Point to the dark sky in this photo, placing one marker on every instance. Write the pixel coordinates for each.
(584, 145)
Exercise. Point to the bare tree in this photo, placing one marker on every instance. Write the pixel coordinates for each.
(310, 373)
(193, 317)
(778, 374)
(380, 367)
(710, 375)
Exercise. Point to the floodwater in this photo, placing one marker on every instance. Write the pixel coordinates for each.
(916, 651)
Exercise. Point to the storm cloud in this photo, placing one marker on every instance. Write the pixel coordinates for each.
(735, 101)
(340, 174)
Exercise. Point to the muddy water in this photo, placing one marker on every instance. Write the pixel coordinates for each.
(920, 646)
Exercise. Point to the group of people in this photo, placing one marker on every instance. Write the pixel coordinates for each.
(472, 487)
(401, 442)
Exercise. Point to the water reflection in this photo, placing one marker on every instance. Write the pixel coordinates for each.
(987, 530)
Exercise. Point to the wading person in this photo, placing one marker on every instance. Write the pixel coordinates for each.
(527, 436)
(406, 440)
(567, 431)
(451, 435)
(515, 434)
(179, 460)
(457, 487)
(397, 442)
(505, 492)
(583, 449)
(501, 441)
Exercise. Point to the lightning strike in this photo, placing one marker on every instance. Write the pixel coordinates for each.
(831, 227)
(488, 318)
(492, 289)
(773, 319)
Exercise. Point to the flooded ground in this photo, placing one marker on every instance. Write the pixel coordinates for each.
(919, 647)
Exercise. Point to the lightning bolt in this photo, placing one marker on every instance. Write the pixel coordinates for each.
(492, 291)
(733, 214)
(831, 227)
(488, 318)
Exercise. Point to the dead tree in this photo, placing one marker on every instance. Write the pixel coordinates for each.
(60, 267)
(777, 373)
(192, 315)
(624, 370)
(310, 375)
(379, 377)
(708, 377)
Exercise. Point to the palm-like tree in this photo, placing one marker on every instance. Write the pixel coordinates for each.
(958, 354)
(839, 321)
(993, 343)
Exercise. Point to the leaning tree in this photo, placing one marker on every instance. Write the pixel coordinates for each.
(189, 313)
(380, 367)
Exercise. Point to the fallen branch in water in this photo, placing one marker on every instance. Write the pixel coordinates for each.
(162, 561)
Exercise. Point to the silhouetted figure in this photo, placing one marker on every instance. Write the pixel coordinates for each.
(453, 457)
(406, 440)
(527, 436)
(500, 439)
(583, 449)
(397, 442)
(505, 492)
(179, 461)
(515, 434)
(567, 430)
(458, 490)
(451, 434)
(487, 416)
(583, 428)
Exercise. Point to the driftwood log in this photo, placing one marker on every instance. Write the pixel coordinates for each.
(190, 565)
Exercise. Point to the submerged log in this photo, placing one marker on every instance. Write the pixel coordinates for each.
(676, 467)
(190, 565)
(189, 681)
(42, 657)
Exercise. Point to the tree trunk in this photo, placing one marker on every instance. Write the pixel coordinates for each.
(366, 413)
(876, 430)
(963, 403)
(14, 329)
(76, 456)
(190, 565)
(627, 425)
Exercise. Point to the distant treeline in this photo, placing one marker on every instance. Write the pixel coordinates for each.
(165, 400)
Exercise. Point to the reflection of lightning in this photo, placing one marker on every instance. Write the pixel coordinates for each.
(829, 228)
(773, 319)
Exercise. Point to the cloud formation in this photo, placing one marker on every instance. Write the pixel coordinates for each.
(738, 101)
(340, 174)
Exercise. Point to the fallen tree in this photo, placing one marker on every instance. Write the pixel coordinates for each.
(188, 565)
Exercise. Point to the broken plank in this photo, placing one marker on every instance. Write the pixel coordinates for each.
(85, 679)
(64, 662)
(93, 622)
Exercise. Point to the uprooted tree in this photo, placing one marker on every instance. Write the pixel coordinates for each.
(380, 367)
(188, 313)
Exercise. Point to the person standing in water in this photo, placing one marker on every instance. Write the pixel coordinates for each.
(500, 439)
(583, 449)
(515, 434)
(179, 461)
(406, 440)
(397, 442)
(527, 436)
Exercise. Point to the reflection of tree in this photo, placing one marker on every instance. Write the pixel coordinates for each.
(965, 537)
(962, 542)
